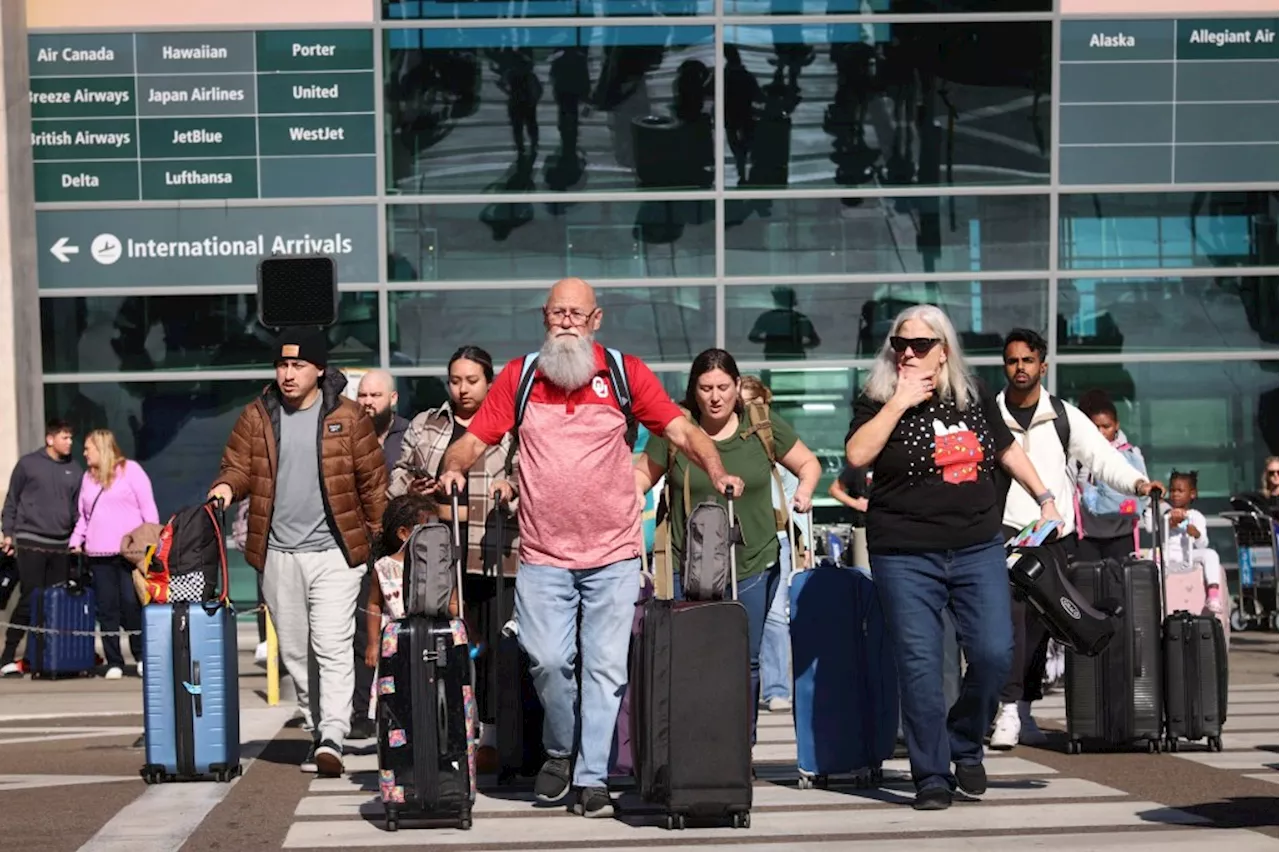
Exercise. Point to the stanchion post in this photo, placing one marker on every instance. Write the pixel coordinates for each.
(273, 663)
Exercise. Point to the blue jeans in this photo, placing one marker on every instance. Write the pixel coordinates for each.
(913, 589)
(775, 653)
(547, 604)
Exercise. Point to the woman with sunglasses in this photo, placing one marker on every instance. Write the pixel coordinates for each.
(932, 434)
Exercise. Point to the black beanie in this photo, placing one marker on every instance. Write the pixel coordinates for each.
(303, 344)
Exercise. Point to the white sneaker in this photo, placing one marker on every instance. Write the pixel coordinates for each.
(260, 653)
(1008, 726)
(778, 704)
(1030, 733)
(114, 673)
(10, 670)
(139, 668)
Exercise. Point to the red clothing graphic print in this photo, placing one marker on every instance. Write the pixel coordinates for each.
(957, 451)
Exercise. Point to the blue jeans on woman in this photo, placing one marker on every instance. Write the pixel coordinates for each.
(775, 653)
(914, 587)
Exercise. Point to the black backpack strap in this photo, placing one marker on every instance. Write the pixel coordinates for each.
(528, 370)
(1061, 424)
(622, 389)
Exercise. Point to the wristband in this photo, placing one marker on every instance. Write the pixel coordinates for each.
(1044, 497)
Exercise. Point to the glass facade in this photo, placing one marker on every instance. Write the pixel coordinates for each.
(779, 178)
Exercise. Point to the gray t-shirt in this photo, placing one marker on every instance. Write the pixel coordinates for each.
(298, 522)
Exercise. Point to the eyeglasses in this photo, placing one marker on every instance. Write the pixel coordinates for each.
(557, 315)
(920, 346)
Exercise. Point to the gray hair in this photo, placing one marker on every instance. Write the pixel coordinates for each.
(955, 384)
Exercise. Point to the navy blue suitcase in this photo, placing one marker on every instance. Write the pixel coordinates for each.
(190, 692)
(845, 696)
(61, 609)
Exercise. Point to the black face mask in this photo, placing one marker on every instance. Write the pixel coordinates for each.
(382, 420)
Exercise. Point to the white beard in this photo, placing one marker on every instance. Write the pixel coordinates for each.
(568, 362)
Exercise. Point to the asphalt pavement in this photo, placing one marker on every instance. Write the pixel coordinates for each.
(70, 754)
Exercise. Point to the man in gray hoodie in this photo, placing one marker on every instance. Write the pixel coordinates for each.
(38, 517)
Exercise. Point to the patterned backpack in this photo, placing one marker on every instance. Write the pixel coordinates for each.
(190, 559)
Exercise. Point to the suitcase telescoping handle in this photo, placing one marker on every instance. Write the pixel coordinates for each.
(220, 519)
(733, 546)
(455, 497)
(495, 624)
(1157, 548)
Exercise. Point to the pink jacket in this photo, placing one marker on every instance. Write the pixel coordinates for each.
(121, 509)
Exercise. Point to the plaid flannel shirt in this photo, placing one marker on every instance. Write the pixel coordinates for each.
(425, 443)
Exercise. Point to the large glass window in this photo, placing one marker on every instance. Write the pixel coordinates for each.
(1218, 419)
(833, 236)
(411, 10)
(1167, 229)
(1167, 314)
(816, 321)
(664, 324)
(538, 109)
(885, 105)
(513, 241)
(887, 7)
(200, 332)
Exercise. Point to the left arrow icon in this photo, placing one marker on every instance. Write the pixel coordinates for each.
(62, 251)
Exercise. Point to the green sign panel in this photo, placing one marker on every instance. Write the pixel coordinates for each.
(204, 246)
(196, 115)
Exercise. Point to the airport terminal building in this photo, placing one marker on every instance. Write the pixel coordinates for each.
(777, 177)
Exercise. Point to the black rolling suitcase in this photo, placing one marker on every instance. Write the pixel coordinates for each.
(692, 705)
(1116, 698)
(426, 708)
(1195, 670)
(517, 712)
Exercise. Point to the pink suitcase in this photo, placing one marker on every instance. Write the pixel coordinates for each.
(1185, 591)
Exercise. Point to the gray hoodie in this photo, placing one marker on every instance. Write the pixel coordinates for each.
(41, 503)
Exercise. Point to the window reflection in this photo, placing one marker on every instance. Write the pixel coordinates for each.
(664, 324)
(1215, 418)
(884, 105)
(557, 109)
(1154, 230)
(461, 9)
(832, 236)
(851, 320)
(1167, 314)
(198, 332)
(515, 240)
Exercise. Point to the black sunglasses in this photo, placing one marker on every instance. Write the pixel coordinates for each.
(921, 346)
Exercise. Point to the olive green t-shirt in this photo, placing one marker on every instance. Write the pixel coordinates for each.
(746, 459)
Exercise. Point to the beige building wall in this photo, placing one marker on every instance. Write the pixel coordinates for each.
(21, 394)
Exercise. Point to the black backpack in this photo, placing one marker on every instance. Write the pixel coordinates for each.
(190, 560)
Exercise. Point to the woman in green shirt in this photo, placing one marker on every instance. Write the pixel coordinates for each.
(713, 398)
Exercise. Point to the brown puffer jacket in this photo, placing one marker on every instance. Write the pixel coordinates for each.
(353, 474)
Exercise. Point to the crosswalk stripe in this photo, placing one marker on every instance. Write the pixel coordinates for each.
(1232, 759)
(639, 829)
(1236, 741)
(763, 795)
(1273, 777)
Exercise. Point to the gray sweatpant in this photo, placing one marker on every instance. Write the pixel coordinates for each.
(312, 600)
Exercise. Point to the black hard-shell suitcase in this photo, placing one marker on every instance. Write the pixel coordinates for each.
(424, 769)
(1117, 697)
(692, 706)
(1195, 668)
(427, 714)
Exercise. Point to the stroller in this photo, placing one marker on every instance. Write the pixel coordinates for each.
(1256, 536)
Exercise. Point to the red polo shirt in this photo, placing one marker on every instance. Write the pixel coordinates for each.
(578, 506)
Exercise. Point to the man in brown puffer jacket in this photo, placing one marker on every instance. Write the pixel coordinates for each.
(309, 462)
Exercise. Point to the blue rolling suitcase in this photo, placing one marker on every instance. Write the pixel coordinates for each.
(191, 692)
(845, 696)
(61, 609)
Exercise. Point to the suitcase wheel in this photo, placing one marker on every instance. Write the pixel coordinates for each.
(1153, 746)
(1215, 743)
(1075, 747)
(742, 820)
(464, 822)
(1171, 745)
(392, 821)
(675, 822)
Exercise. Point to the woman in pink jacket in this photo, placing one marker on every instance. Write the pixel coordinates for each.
(115, 498)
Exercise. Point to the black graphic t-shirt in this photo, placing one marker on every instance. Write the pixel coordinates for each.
(932, 484)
